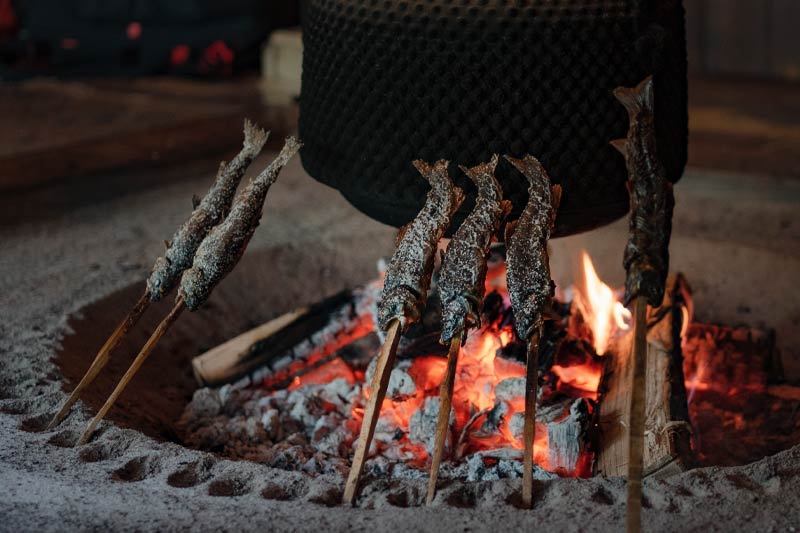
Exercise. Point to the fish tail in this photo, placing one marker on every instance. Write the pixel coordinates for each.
(482, 175)
(254, 138)
(530, 167)
(636, 99)
(435, 174)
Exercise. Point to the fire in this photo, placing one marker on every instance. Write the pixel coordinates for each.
(488, 401)
(600, 307)
(481, 397)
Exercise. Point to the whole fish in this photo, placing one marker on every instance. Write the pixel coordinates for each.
(528, 266)
(646, 258)
(463, 274)
(408, 276)
(207, 213)
(222, 248)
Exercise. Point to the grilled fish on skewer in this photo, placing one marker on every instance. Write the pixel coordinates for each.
(167, 270)
(530, 288)
(462, 285)
(216, 256)
(646, 262)
(405, 291)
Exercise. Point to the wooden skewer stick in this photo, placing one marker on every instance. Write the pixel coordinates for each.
(531, 385)
(636, 420)
(137, 363)
(102, 357)
(378, 386)
(443, 424)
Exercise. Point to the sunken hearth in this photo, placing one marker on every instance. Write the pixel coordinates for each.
(290, 393)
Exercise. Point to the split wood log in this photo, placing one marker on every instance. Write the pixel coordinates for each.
(264, 345)
(667, 447)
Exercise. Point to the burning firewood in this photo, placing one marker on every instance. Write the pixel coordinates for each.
(405, 293)
(462, 285)
(530, 287)
(216, 256)
(646, 260)
(207, 213)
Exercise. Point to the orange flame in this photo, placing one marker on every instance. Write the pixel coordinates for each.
(600, 307)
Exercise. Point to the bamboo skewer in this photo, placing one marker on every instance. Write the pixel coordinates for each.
(531, 288)
(167, 270)
(637, 416)
(531, 385)
(404, 295)
(215, 256)
(103, 356)
(646, 261)
(137, 363)
(377, 388)
(443, 424)
(462, 284)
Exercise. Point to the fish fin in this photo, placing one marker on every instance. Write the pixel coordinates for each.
(458, 198)
(196, 201)
(254, 138)
(636, 99)
(510, 227)
(555, 197)
(401, 233)
(506, 207)
(621, 145)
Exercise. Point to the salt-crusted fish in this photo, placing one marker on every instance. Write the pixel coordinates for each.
(207, 213)
(528, 266)
(224, 245)
(408, 276)
(646, 258)
(463, 274)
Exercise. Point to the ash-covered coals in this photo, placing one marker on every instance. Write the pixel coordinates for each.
(312, 427)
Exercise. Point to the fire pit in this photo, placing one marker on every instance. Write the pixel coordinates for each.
(176, 483)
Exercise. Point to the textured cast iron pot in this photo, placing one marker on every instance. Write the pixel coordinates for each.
(386, 82)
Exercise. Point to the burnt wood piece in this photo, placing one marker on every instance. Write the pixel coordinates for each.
(207, 213)
(646, 258)
(224, 245)
(408, 276)
(529, 285)
(282, 341)
(277, 351)
(462, 277)
(667, 424)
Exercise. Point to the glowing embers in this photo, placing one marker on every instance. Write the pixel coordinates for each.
(310, 406)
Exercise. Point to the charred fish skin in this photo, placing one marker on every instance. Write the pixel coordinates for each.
(207, 213)
(530, 287)
(463, 273)
(408, 276)
(646, 257)
(225, 244)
